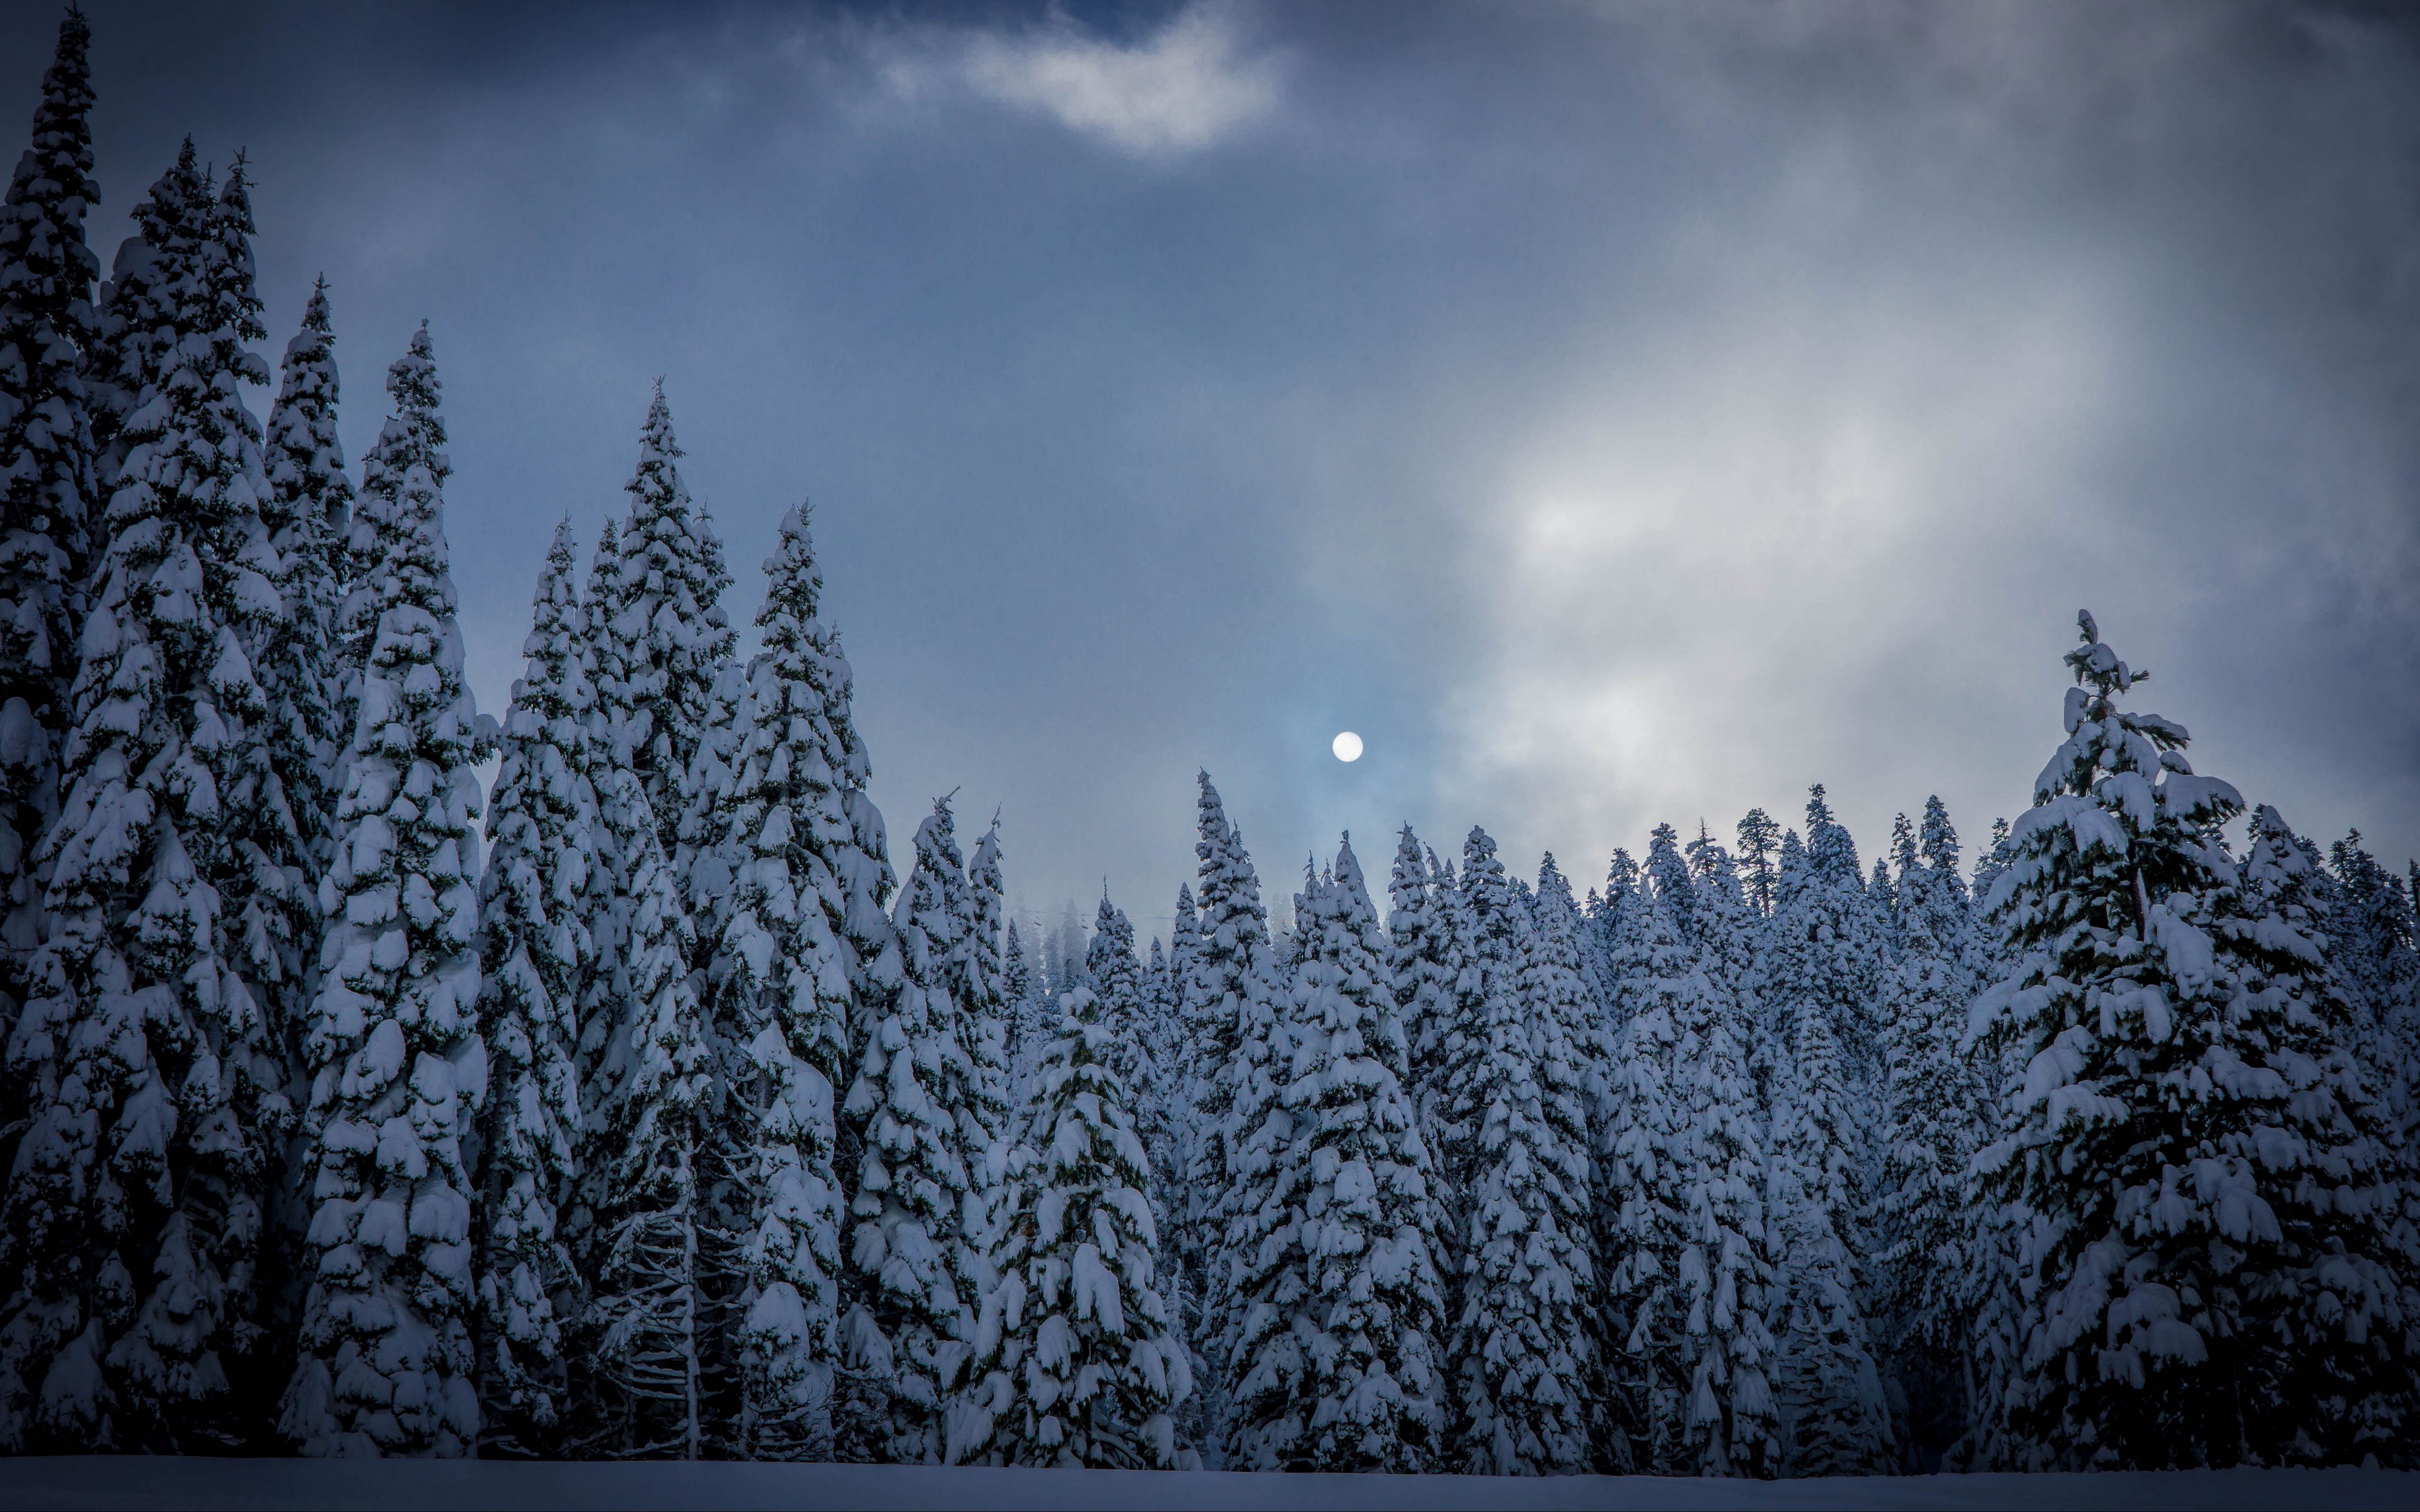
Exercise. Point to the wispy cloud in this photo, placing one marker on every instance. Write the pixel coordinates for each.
(1185, 87)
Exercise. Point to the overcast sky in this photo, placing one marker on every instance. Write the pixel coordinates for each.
(1613, 412)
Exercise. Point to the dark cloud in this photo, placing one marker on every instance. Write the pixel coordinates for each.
(1613, 413)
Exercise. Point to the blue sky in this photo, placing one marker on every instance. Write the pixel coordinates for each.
(1615, 413)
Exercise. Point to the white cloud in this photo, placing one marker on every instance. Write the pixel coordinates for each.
(1180, 90)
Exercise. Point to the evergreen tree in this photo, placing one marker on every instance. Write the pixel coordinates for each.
(1422, 966)
(783, 997)
(1076, 1360)
(1727, 1269)
(1933, 1092)
(668, 623)
(2371, 938)
(987, 1121)
(1759, 838)
(50, 496)
(2358, 1381)
(141, 319)
(134, 1218)
(1667, 872)
(1171, 1164)
(413, 437)
(307, 512)
(2206, 1274)
(642, 1224)
(400, 1064)
(1523, 1342)
(1835, 1419)
(1017, 983)
(906, 1325)
(1233, 1016)
(1643, 1196)
(1369, 1393)
(535, 955)
(1115, 975)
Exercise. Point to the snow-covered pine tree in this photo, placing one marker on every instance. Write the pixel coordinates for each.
(2205, 1275)
(1181, 1249)
(1727, 1269)
(704, 856)
(308, 511)
(413, 436)
(1421, 964)
(1925, 1228)
(783, 984)
(1154, 1095)
(1833, 951)
(1369, 1393)
(1234, 1021)
(51, 500)
(1115, 976)
(132, 1222)
(399, 1060)
(1729, 926)
(1568, 1026)
(2370, 941)
(1523, 1341)
(535, 957)
(668, 621)
(2355, 1252)
(1642, 1238)
(1622, 886)
(1988, 869)
(1836, 1417)
(984, 998)
(906, 1326)
(1759, 838)
(640, 1226)
(975, 1092)
(1077, 1361)
(1667, 872)
(139, 321)
(1018, 973)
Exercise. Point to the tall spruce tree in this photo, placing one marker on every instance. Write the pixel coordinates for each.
(1727, 1269)
(2205, 1275)
(1835, 1418)
(307, 512)
(1644, 1241)
(906, 1324)
(640, 1227)
(399, 1063)
(1932, 1095)
(2372, 940)
(1371, 1393)
(140, 322)
(50, 496)
(1421, 964)
(783, 998)
(1233, 1019)
(134, 1218)
(1076, 1361)
(668, 623)
(1523, 1341)
(1116, 974)
(535, 956)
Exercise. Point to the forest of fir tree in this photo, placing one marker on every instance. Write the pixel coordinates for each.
(636, 1105)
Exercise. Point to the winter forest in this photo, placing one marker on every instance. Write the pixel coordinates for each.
(652, 1100)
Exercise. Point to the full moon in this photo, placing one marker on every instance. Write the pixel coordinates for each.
(1347, 747)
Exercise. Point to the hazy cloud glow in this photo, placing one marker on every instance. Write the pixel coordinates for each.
(1613, 413)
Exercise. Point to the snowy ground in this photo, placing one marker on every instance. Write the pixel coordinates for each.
(96, 1484)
